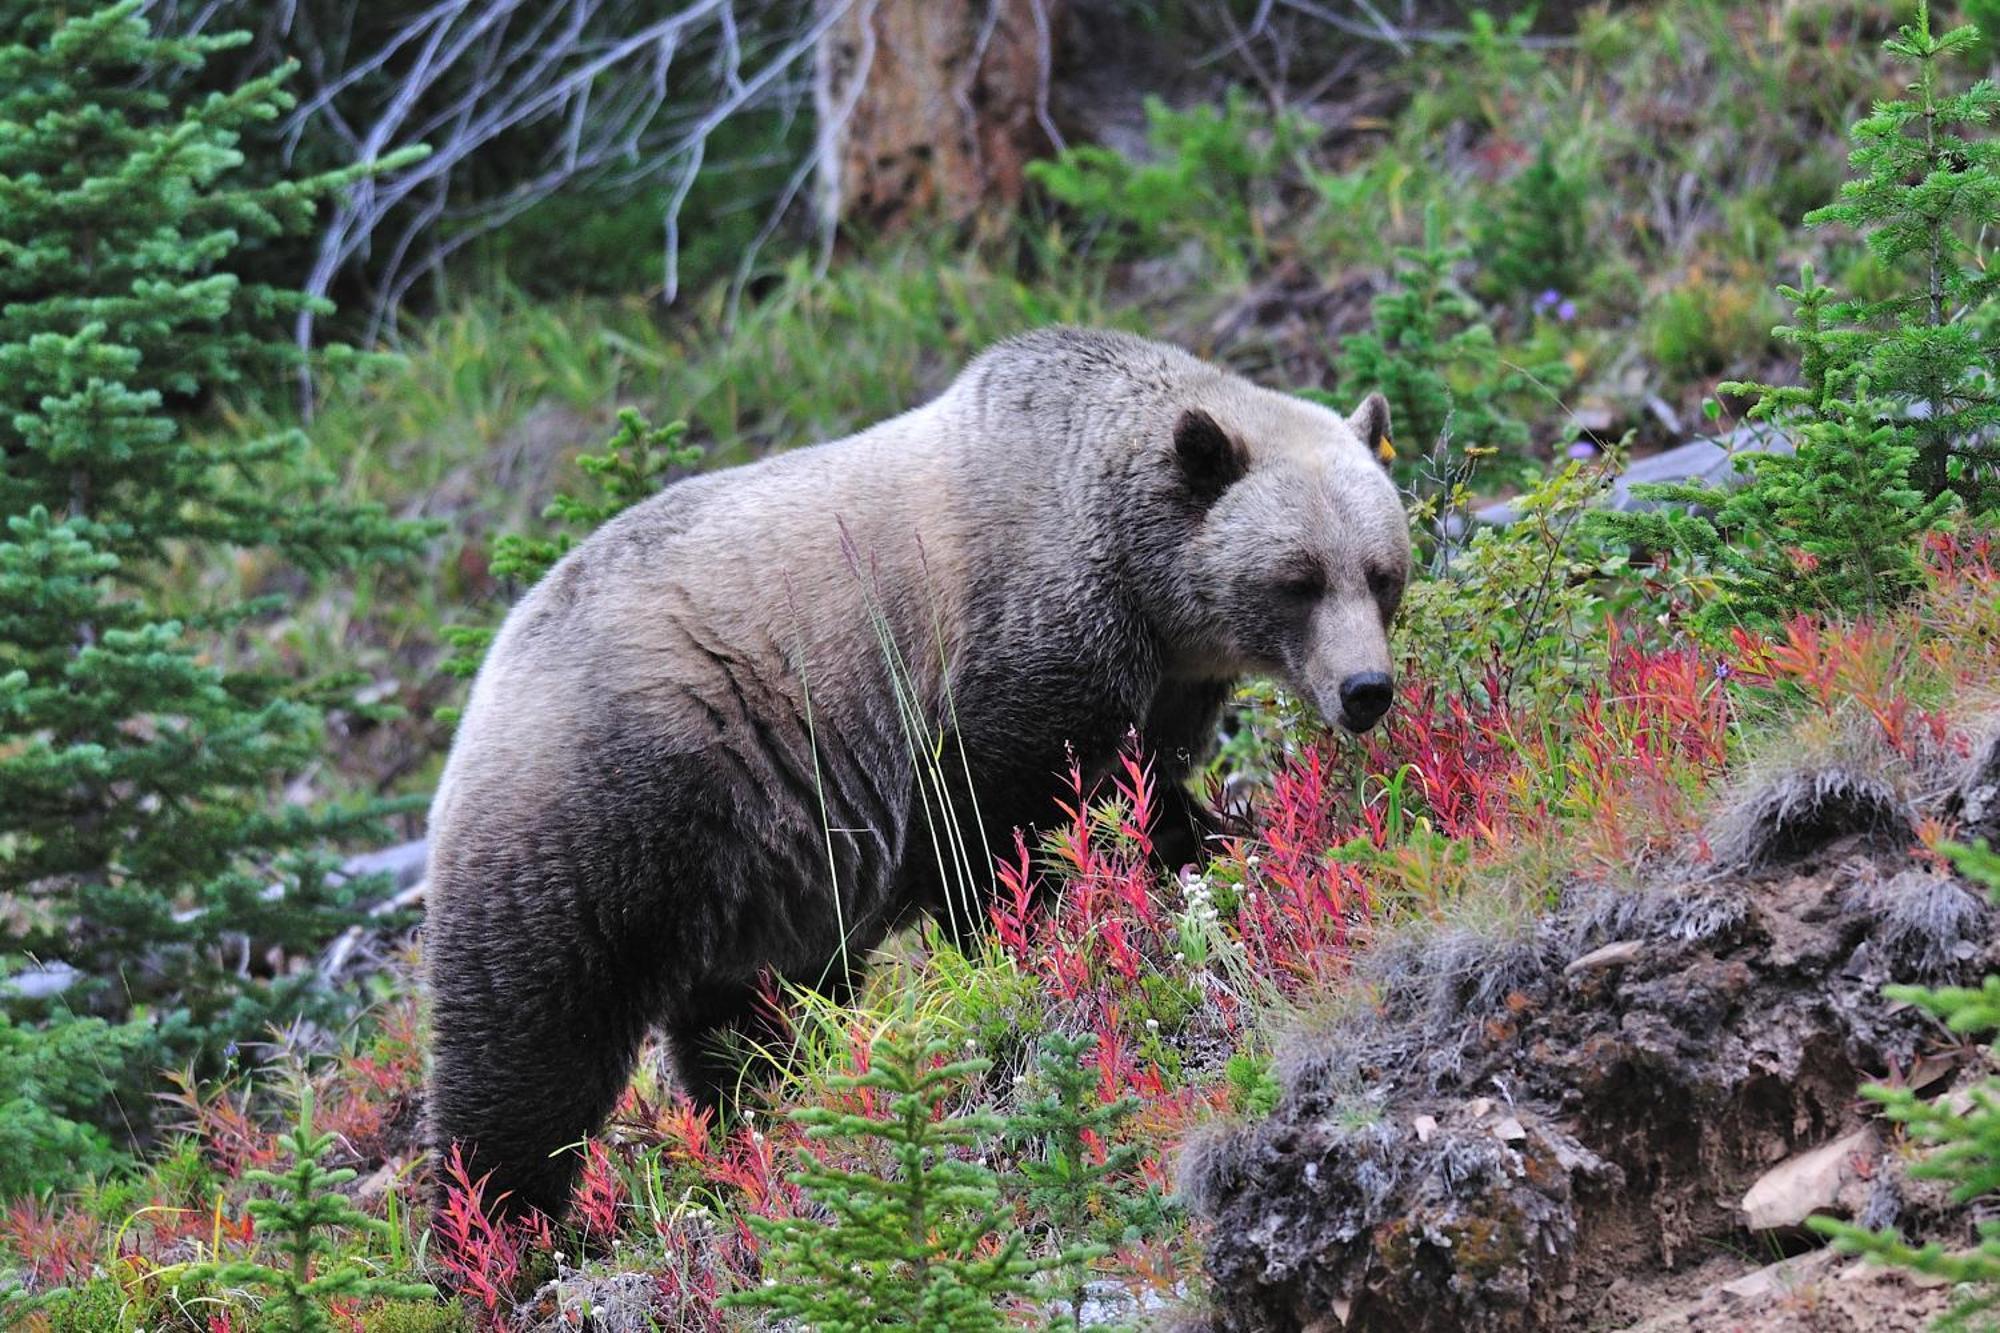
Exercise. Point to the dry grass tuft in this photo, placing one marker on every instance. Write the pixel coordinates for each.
(1785, 811)
(1976, 800)
(1927, 923)
(1208, 1166)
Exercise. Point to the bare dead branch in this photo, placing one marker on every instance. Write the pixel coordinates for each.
(577, 91)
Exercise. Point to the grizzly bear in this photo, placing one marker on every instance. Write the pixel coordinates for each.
(758, 721)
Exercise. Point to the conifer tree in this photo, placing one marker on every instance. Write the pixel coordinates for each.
(917, 1236)
(304, 1218)
(1432, 355)
(1836, 525)
(140, 822)
(1535, 238)
(1074, 1165)
(1899, 401)
(52, 1081)
(1926, 198)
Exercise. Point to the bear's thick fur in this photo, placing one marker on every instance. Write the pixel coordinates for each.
(757, 721)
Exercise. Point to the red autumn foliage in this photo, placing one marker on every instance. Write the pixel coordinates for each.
(481, 1256)
(58, 1246)
(219, 1118)
(599, 1200)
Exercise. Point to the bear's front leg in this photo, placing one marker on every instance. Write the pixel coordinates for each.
(1187, 830)
(530, 1049)
(1180, 729)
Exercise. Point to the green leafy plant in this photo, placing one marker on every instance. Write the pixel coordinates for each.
(634, 465)
(1431, 353)
(98, 1306)
(140, 815)
(1925, 198)
(1518, 608)
(916, 1235)
(1964, 1137)
(1254, 1089)
(304, 1219)
(129, 1302)
(1836, 525)
(1710, 323)
(1077, 1169)
(1493, 73)
(1202, 181)
(416, 1317)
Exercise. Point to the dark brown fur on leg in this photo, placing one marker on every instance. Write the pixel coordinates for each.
(517, 1088)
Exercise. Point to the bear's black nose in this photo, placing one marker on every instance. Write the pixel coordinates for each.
(1364, 697)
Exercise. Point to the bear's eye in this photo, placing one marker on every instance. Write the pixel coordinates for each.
(1303, 583)
(1387, 590)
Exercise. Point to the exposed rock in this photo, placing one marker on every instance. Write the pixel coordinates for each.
(1714, 461)
(1820, 1292)
(1615, 954)
(40, 982)
(1711, 461)
(377, 1183)
(1831, 1177)
(1978, 795)
(1458, 1231)
(403, 864)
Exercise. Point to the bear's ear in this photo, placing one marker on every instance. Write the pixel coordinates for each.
(1371, 422)
(1210, 460)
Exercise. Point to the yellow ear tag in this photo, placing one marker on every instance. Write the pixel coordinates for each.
(1385, 449)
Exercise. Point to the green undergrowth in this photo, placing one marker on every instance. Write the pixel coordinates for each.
(450, 424)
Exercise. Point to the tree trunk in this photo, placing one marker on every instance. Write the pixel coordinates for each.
(931, 108)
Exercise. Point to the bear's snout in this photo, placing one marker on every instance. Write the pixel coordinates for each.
(1364, 697)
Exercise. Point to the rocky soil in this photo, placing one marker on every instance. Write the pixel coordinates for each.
(1622, 1115)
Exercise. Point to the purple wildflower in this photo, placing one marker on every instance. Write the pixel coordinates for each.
(1566, 311)
(1582, 449)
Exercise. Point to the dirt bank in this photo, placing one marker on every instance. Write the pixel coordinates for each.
(1620, 1115)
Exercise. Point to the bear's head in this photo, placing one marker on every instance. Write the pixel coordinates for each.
(1300, 549)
